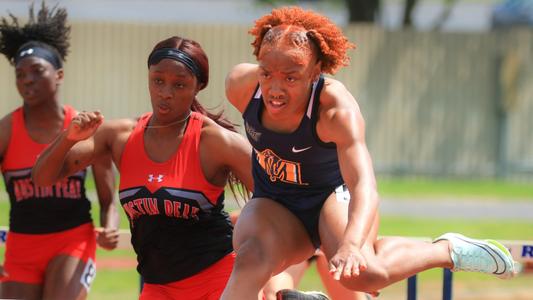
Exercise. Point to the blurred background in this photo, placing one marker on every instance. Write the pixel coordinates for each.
(445, 86)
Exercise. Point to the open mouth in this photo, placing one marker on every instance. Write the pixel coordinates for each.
(163, 108)
(275, 105)
(29, 93)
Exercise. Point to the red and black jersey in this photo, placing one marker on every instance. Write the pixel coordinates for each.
(176, 216)
(37, 209)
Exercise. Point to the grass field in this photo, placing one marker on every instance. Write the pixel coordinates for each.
(435, 189)
(123, 283)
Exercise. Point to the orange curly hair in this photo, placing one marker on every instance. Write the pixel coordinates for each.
(327, 37)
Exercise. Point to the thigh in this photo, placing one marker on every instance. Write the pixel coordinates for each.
(332, 225)
(277, 231)
(335, 289)
(68, 277)
(20, 290)
(333, 221)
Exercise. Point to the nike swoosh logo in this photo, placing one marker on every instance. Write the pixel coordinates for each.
(300, 150)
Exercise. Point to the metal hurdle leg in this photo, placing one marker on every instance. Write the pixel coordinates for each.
(411, 288)
(446, 286)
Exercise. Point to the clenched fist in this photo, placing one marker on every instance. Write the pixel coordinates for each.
(84, 125)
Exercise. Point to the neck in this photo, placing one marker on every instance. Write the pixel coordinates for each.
(43, 113)
(169, 127)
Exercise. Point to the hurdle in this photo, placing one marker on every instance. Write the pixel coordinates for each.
(522, 252)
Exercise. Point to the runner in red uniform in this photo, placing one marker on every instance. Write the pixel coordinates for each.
(174, 164)
(51, 244)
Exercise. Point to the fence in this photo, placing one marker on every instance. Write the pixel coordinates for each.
(434, 103)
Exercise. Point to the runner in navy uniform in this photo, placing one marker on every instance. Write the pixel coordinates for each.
(50, 249)
(313, 176)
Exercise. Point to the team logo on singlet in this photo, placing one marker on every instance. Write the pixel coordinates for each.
(254, 134)
(152, 178)
(279, 169)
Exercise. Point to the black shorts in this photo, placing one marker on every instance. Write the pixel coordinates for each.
(307, 206)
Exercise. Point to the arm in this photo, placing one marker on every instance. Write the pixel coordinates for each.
(223, 151)
(342, 123)
(241, 82)
(237, 155)
(73, 150)
(104, 179)
(5, 135)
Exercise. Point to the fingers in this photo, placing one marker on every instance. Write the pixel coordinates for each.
(349, 267)
(3, 273)
(86, 120)
(108, 238)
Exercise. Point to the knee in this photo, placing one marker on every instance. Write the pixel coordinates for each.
(253, 255)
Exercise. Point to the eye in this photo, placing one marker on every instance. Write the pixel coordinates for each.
(179, 85)
(158, 81)
(291, 79)
(264, 75)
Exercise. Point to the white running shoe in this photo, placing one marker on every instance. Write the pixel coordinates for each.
(486, 256)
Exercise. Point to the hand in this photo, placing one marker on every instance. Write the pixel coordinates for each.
(348, 262)
(84, 125)
(2, 272)
(107, 238)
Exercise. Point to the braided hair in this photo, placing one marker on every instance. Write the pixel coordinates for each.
(328, 38)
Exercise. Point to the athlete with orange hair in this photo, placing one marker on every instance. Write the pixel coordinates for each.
(314, 183)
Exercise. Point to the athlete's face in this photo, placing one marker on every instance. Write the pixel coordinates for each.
(286, 73)
(37, 80)
(172, 90)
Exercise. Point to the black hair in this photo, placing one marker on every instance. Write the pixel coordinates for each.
(48, 29)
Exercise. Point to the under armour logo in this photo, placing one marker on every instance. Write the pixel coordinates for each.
(159, 178)
(26, 52)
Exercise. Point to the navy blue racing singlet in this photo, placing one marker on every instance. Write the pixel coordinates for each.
(295, 169)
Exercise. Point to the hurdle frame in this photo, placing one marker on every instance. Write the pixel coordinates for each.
(522, 252)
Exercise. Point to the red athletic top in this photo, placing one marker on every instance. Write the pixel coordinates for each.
(40, 209)
(176, 216)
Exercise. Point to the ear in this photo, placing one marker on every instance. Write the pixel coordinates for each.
(317, 70)
(60, 74)
(200, 86)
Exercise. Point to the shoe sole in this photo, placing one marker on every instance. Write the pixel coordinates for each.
(495, 248)
(297, 295)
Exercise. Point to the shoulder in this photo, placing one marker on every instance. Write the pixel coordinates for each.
(212, 133)
(5, 133)
(241, 82)
(5, 124)
(220, 139)
(339, 113)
